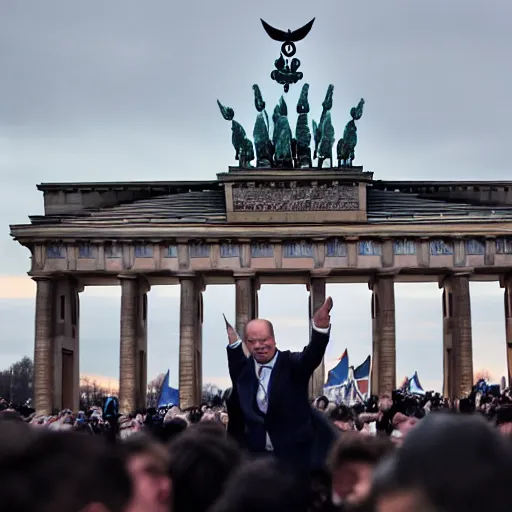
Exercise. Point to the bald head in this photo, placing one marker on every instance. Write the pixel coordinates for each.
(260, 324)
(259, 339)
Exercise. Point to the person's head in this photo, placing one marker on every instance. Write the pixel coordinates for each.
(65, 471)
(385, 403)
(201, 460)
(321, 403)
(262, 485)
(352, 461)
(447, 462)
(260, 341)
(343, 418)
(146, 461)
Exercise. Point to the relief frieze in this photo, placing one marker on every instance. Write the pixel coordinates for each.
(56, 251)
(298, 250)
(229, 250)
(335, 248)
(199, 250)
(475, 247)
(441, 248)
(281, 198)
(370, 248)
(404, 247)
(262, 250)
(503, 246)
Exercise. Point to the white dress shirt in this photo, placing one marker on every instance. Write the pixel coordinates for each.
(263, 373)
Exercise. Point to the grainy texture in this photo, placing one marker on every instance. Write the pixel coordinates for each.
(128, 346)
(285, 198)
(316, 299)
(190, 394)
(508, 328)
(384, 309)
(463, 334)
(43, 347)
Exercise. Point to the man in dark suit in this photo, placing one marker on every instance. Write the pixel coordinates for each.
(272, 388)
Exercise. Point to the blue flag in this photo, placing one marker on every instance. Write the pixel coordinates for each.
(168, 396)
(339, 374)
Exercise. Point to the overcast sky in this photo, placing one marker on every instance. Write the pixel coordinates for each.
(125, 90)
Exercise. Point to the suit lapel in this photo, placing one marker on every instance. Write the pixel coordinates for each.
(247, 387)
(274, 385)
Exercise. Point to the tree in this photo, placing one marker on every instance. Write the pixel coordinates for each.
(5, 385)
(483, 374)
(22, 375)
(153, 390)
(91, 393)
(210, 392)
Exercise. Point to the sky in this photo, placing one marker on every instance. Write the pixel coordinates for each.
(124, 90)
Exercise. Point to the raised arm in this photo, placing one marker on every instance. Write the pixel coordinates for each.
(311, 357)
(237, 358)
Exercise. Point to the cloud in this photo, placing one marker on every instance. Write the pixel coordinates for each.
(131, 96)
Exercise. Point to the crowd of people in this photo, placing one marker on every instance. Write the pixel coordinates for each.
(265, 447)
(396, 453)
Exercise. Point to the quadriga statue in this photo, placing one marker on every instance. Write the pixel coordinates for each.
(244, 151)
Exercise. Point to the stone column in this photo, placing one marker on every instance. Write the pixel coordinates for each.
(384, 335)
(374, 377)
(128, 347)
(142, 345)
(316, 299)
(43, 346)
(190, 329)
(507, 285)
(458, 343)
(66, 346)
(246, 297)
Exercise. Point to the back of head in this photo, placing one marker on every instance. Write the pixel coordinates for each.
(457, 462)
(201, 460)
(64, 471)
(262, 485)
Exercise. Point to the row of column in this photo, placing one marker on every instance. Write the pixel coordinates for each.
(56, 351)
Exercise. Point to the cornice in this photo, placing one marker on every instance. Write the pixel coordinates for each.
(26, 234)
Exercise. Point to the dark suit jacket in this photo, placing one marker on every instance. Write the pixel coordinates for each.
(289, 421)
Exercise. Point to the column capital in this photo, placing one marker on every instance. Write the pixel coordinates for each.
(133, 277)
(241, 274)
(186, 275)
(505, 280)
(453, 274)
(389, 274)
(41, 277)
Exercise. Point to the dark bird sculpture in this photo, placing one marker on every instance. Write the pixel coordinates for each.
(282, 36)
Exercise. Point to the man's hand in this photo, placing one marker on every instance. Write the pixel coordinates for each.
(322, 318)
(232, 335)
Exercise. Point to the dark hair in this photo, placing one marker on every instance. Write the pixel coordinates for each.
(201, 460)
(354, 447)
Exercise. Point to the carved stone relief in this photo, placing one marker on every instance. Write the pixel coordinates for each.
(441, 248)
(262, 250)
(298, 250)
(404, 247)
(171, 251)
(113, 251)
(229, 250)
(199, 250)
(370, 248)
(475, 247)
(55, 251)
(143, 251)
(285, 198)
(335, 248)
(86, 251)
(503, 246)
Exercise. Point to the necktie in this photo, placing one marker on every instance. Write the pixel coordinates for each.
(262, 396)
